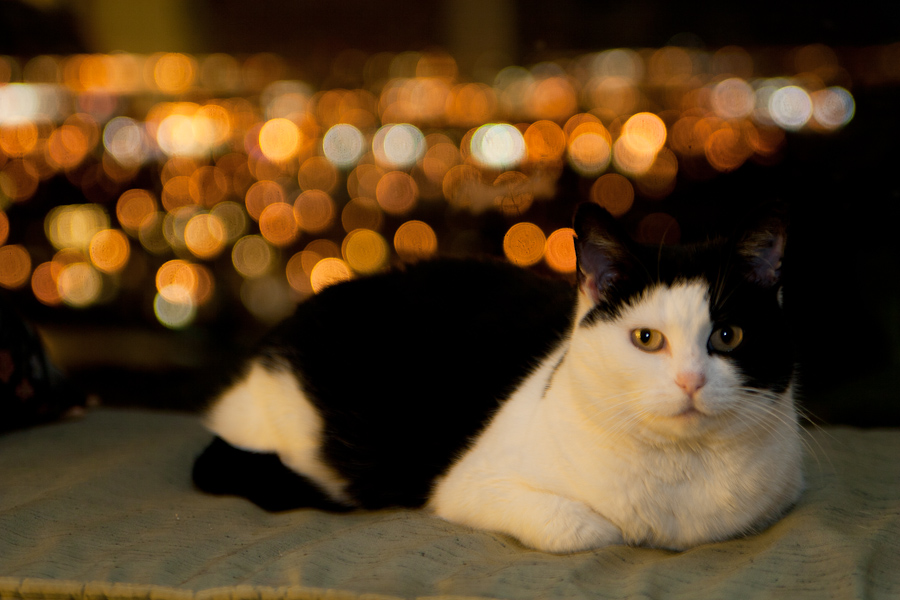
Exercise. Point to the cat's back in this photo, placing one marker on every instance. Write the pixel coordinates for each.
(399, 370)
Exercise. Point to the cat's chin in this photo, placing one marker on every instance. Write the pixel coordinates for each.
(688, 424)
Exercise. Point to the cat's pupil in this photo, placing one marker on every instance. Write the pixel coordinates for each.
(646, 334)
(727, 335)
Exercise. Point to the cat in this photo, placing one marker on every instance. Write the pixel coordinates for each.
(650, 404)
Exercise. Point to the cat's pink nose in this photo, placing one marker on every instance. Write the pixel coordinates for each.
(690, 382)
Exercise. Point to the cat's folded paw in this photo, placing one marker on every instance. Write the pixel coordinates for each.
(574, 527)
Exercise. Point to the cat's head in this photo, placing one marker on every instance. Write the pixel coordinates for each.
(683, 340)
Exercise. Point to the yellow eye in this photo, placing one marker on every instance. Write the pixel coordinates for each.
(726, 338)
(648, 340)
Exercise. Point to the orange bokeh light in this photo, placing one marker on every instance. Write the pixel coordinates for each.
(614, 193)
(18, 139)
(278, 225)
(329, 271)
(314, 211)
(205, 235)
(279, 139)
(415, 240)
(524, 244)
(396, 193)
(560, 250)
(44, 283)
(109, 250)
(545, 141)
(365, 251)
(260, 195)
(362, 213)
(317, 173)
(133, 207)
(15, 266)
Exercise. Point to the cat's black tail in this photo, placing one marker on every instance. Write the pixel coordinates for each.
(261, 478)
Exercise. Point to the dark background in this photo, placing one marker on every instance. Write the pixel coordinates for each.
(842, 188)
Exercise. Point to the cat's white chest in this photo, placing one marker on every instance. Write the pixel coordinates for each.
(671, 499)
(546, 474)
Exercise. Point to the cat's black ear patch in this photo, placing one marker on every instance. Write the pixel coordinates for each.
(761, 246)
(601, 248)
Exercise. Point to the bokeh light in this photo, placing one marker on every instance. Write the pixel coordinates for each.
(132, 207)
(279, 139)
(643, 136)
(45, 283)
(314, 211)
(184, 283)
(278, 225)
(18, 180)
(790, 107)
(498, 146)
(73, 225)
(362, 213)
(109, 250)
(126, 141)
(79, 284)
(398, 146)
(174, 73)
(524, 244)
(260, 195)
(733, 98)
(327, 272)
(204, 235)
(365, 251)
(252, 256)
(415, 240)
(343, 145)
(177, 156)
(15, 266)
(833, 107)
(590, 149)
(396, 193)
(174, 308)
(614, 192)
(544, 141)
(317, 173)
(560, 250)
(4, 227)
(233, 219)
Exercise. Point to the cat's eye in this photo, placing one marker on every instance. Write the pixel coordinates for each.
(648, 340)
(726, 338)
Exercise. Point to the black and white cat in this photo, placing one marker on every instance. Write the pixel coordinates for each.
(651, 405)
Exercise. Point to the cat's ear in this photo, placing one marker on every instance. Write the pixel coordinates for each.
(761, 246)
(601, 248)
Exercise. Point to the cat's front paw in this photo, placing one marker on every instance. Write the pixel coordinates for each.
(573, 527)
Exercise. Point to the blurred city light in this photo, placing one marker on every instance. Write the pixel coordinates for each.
(181, 161)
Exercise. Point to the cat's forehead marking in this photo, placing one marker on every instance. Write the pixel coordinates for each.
(683, 304)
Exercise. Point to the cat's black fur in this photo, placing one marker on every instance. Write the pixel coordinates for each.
(404, 367)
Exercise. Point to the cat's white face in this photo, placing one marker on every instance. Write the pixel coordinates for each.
(658, 374)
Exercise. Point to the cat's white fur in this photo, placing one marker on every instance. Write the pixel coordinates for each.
(614, 450)
(267, 411)
(600, 445)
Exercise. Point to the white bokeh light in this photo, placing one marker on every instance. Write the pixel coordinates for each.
(343, 145)
(498, 146)
(790, 107)
(399, 145)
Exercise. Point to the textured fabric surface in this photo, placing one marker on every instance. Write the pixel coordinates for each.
(104, 508)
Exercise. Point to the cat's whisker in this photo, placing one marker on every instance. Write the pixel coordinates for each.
(786, 415)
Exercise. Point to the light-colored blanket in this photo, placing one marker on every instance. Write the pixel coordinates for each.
(104, 508)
